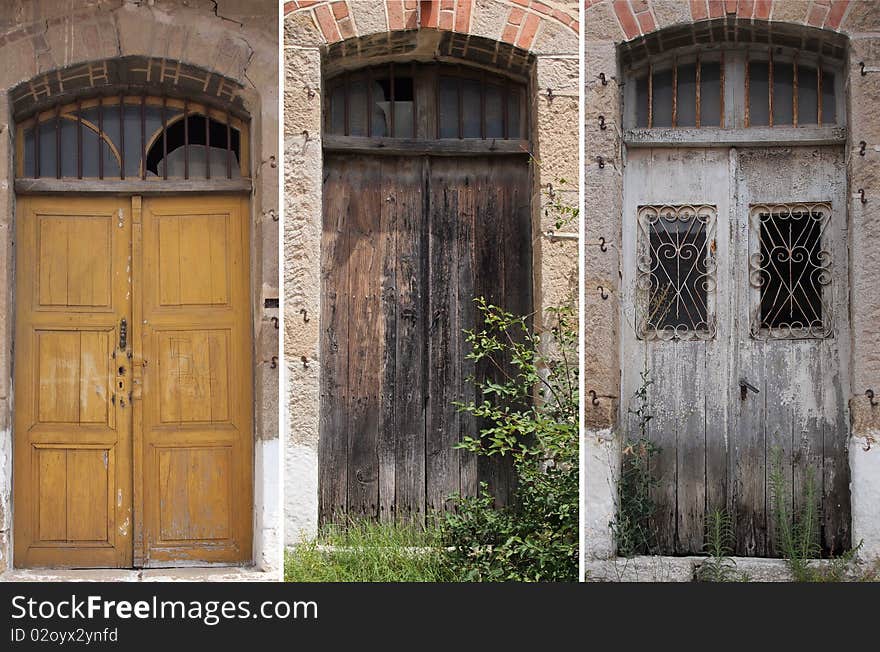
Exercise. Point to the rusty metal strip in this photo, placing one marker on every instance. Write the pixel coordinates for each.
(748, 114)
(100, 137)
(122, 136)
(650, 95)
(57, 141)
(699, 83)
(185, 139)
(37, 146)
(143, 137)
(819, 92)
(770, 86)
(164, 138)
(794, 96)
(207, 144)
(674, 92)
(229, 146)
(79, 140)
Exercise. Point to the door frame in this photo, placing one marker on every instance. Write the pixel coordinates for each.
(135, 192)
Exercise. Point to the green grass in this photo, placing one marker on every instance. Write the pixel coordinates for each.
(366, 551)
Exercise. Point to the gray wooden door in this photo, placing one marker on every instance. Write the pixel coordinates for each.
(735, 277)
(408, 243)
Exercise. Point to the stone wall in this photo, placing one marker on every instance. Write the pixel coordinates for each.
(233, 38)
(607, 25)
(549, 31)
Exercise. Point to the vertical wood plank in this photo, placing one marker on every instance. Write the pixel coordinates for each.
(168, 261)
(93, 390)
(51, 494)
(335, 272)
(53, 261)
(87, 494)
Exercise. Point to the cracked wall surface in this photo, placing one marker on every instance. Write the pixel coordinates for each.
(610, 28)
(546, 31)
(236, 39)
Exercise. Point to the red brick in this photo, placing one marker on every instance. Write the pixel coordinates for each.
(824, 3)
(698, 10)
(327, 23)
(463, 16)
(762, 9)
(410, 4)
(527, 33)
(646, 22)
(817, 14)
(430, 13)
(346, 27)
(340, 10)
(516, 16)
(745, 8)
(411, 19)
(625, 18)
(447, 20)
(289, 7)
(307, 3)
(576, 26)
(522, 3)
(716, 8)
(395, 14)
(541, 8)
(561, 16)
(838, 8)
(730, 6)
(509, 34)
(639, 5)
(447, 5)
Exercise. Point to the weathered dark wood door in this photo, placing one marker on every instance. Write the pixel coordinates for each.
(408, 243)
(736, 265)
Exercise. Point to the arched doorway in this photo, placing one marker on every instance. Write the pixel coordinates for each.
(426, 206)
(133, 338)
(735, 277)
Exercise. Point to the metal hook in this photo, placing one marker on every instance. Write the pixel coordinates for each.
(603, 79)
(862, 146)
(594, 400)
(305, 361)
(274, 321)
(602, 246)
(602, 124)
(870, 394)
(862, 196)
(602, 292)
(274, 363)
(862, 68)
(601, 162)
(549, 93)
(305, 314)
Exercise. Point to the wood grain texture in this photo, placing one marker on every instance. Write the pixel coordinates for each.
(408, 243)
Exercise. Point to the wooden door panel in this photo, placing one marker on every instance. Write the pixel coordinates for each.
(197, 409)
(72, 423)
(402, 259)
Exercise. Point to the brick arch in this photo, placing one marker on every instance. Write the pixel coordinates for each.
(514, 22)
(636, 18)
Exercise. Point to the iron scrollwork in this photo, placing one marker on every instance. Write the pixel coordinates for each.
(791, 266)
(676, 276)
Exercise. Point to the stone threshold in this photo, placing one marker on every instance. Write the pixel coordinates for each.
(226, 574)
(683, 569)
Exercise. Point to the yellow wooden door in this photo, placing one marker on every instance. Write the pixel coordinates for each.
(72, 473)
(194, 478)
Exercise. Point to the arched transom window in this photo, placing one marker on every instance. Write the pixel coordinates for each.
(134, 137)
(425, 102)
(735, 87)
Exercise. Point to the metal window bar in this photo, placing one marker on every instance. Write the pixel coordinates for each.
(650, 96)
(794, 92)
(37, 146)
(57, 141)
(228, 147)
(100, 137)
(391, 100)
(770, 86)
(79, 141)
(207, 144)
(698, 91)
(164, 138)
(458, 87)
(122, 136)
(819, 92)
(483, 104)
(747, 119)
(721, 90)
(345, 103)
(674, 93)
(369, 102)
(186, 140)
(144, 137)
(506, 110)
(412, 69)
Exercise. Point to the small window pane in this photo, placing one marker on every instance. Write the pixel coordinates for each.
(494, 112)
(403, 107)
(759, 97)
(471, 104)
(357, 108)
(783, 93)
(68, 148)
(686, 104)
(662, 99)
(829, 106)
(808, 107)
(642, 104)
(337, 110)
(676, 269)
(793, 270)
(710, 94)
(516, 126)
(448, 89)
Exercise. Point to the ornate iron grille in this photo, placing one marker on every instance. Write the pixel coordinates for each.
(676, 272)
(791, 270)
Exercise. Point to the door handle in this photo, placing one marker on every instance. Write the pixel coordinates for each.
(745, 387)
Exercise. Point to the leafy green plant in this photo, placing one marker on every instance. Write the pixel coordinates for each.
(528, 410)
(632, 527)
(719, 567)
(368, 551)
